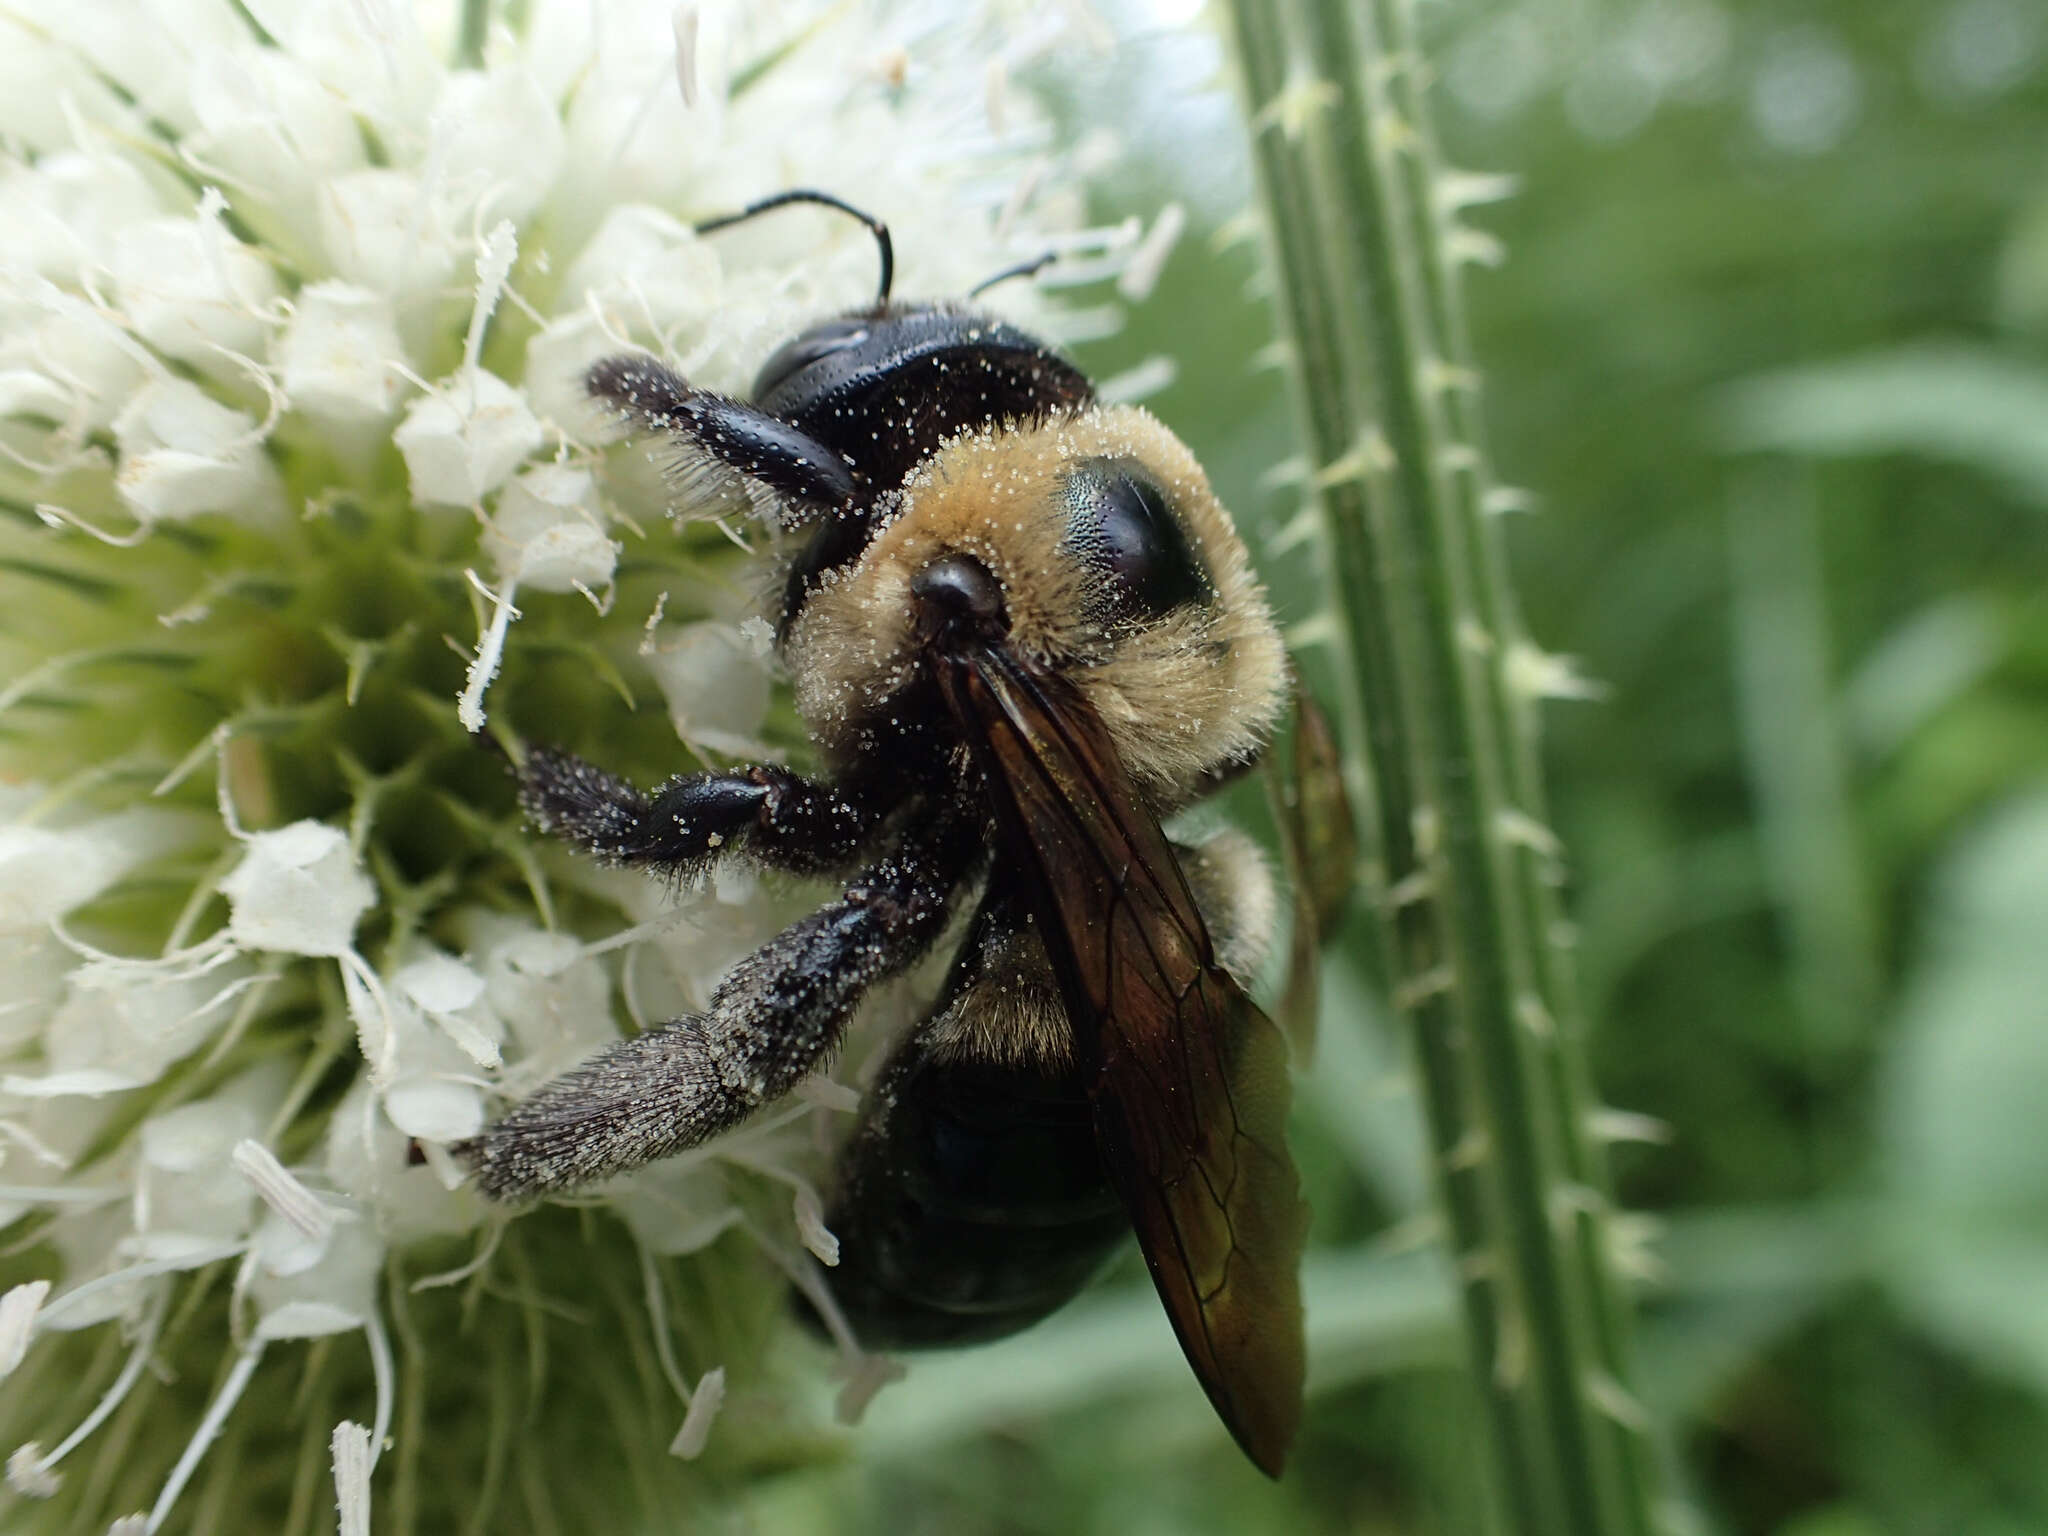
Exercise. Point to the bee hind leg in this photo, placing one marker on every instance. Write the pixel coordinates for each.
(771, 1020)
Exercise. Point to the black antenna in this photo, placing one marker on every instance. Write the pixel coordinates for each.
(1031, 268)
(826, 200)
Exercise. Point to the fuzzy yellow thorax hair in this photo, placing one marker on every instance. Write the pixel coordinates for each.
(1181, 696)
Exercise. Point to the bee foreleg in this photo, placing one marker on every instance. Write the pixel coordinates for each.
(765, 812)
(772, 1019)
(749, 442)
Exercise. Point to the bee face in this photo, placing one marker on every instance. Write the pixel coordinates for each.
(1090, 542)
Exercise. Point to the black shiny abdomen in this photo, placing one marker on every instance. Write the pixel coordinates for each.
(971, 1203)
(884, 388)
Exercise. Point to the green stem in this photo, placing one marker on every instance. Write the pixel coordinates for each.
(1444, 712)
(471, 32)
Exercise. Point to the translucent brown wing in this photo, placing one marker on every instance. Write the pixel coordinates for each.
(1188, 1080)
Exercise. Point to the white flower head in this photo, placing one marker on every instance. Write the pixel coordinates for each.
(295, 302)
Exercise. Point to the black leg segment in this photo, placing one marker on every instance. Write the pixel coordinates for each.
(763, 448)
(772, 1019)
(764, 813)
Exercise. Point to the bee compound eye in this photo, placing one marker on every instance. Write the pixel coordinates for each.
(1123, 525)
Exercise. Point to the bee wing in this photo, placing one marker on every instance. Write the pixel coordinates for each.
(1188, 1080)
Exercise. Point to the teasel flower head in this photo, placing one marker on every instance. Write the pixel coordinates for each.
(301, 506)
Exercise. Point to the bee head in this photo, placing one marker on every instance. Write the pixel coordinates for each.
(1090, 542)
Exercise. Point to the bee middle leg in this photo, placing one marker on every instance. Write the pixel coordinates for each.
(771, 1020)
(764, 812)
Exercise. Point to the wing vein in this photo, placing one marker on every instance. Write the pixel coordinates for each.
(1187, 1078)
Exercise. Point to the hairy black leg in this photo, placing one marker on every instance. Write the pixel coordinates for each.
(764, 813)
(772, 1019)
(761, 447)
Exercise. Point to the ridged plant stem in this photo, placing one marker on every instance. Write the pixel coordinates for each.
(1361, 215)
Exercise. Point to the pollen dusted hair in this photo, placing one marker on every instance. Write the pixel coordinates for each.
(1183, 697)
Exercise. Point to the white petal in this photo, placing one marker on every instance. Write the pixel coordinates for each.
(465, 439)
(277, 133)
(194, 1137)
(554, 997)
(625, 120)
(557, 357)
(434, 1109)
(546, 533)
(264, 111)
(334, 1292)
(119, 1291)
(190, 288)
(646, 270)
(45, 872)
(187, 1187)
(87, 358)
(452, 995)
(61, 216)
(307, 1320)
(498, 142)
(18, 1308)
(183, 453)
(88, 1082)
(339, 358)
(716, 685)
(383, 230)
(45, 89)
(365, 1158)
(146, 51)
(24, 392)
(136, 1018)
(298, 891)
(439, 983)
(373, 57)
(34, 971)
(704, 1405)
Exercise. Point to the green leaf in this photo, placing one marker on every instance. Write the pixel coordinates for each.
(1965, 1245)
(1968, 1080)
(1942, 400)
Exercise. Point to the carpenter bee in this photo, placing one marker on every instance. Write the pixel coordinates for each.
(1021, 631)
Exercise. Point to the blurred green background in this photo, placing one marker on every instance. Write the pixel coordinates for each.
(1768, 346)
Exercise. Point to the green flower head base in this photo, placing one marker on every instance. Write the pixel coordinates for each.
(300, 500)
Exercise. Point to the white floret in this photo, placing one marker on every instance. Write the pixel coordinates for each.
(299, 890)
(465, 438)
